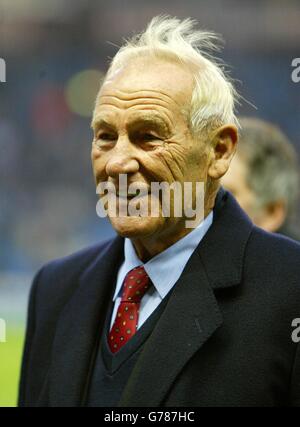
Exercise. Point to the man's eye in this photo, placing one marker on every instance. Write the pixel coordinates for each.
(148, 137)
(106, 136)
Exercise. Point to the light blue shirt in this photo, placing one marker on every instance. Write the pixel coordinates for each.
(164, 269)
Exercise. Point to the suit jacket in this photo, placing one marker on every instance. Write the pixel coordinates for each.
(224, 338)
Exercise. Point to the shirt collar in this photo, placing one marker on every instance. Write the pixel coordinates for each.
(165, 268)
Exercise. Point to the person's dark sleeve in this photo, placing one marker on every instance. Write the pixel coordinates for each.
(29, 338)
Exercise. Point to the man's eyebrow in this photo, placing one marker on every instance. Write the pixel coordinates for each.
(149, 120)
(154, 121)
(100, 122)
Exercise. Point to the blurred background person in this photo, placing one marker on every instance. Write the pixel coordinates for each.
(264, 177)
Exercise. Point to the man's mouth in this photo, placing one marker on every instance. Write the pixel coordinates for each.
(125, 195)
(136, 190)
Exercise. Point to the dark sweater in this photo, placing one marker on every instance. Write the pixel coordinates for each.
(112, 371)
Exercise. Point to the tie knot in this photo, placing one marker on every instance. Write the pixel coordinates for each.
(135, 285)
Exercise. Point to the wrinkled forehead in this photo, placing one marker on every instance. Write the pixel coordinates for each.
(150, 75)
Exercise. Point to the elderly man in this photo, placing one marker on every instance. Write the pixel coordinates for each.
(164, 314)
(264, 176)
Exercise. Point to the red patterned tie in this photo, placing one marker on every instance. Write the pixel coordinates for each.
(135, 285)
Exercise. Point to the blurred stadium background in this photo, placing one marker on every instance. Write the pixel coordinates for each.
(55, 54)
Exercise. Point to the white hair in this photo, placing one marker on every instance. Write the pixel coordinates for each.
(214, 96)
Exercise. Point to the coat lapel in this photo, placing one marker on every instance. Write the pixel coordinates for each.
(78, 328)
(192, 313)
(189, 319)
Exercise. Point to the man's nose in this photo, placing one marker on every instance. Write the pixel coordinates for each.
(122, 160)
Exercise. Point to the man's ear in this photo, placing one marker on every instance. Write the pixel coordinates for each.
(223, 146)
(273, 216)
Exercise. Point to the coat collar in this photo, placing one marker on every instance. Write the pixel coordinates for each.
(189, 319)
(223, 247)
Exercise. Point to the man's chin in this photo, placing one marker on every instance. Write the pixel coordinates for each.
(134, 226)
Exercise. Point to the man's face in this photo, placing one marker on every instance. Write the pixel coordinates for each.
(140, 130)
